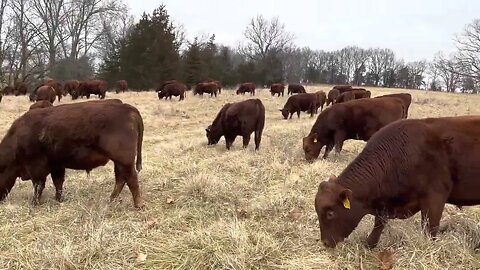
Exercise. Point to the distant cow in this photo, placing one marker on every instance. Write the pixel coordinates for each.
(304, 102)
(247, 87)
(405, 97)
(173, 89)
(218, 83)
(352, 95)
(92, 87)
(1, 96)
(208, 87)
(122, 86)
(321, 99)
(342, 88)
(79, 136)
(41, 104)
(70, 87)
(332, 96)
(45, 92)
(8, 90)
(20, 89)
(410, 166)
(295, 88)
(238, 119)
(57, 87)
(357, 120)
(277, 88)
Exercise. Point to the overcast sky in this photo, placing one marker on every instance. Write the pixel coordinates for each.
(414, 29)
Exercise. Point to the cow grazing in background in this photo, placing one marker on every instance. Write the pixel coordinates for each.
(238, 119)
(277, 88)
(247, 87)
(295, 88)
(406, 99)
(410, 166)
(208, 87)
(57, 87)
(92, 87)
(45, 92)
(321, 99)
(41, 104)
(332, 96)
(79, 136)
(20, 89)
(305, 102)
(173, 89)
(357, 120)
(70, 86)
(122, 86)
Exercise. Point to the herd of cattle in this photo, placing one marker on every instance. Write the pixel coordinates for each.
(407, 166)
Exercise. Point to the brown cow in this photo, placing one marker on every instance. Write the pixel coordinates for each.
(238, 119)
(70, 86)
(405, 97)
(321, 98)
(409, 166)
(342, 88)
(209, 88)
(45, 92)
(304, 102)
(122, 86)
(357, 120)
(247, 87)
(173, 89)
(332, 96)
(92, 87)
(20, 89)
(79, 136)
(1, 96)
(352, 95)
(41, 104)
(277, 88)
(57, 87)
(295, 88)
(8, 90)
(218, 83)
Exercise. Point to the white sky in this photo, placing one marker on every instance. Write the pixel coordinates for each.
(414, 29)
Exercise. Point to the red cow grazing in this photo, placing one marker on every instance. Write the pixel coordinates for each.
(122, 86)
(247, 87)
(352, 95)
(70, 86)
(410, 166)
(93, 87)
(304, 102)
(321, 98)
(277, 88)
(295, 88)
(20, 89)
(332, 96)
(238, 119)
(41, 104)
(173, 89)
(57, 87)
(208, 87)
(45, 92)
(357, 119)
(405, 97)
(79, 136)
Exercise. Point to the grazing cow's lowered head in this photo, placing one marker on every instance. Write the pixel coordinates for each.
(338, 212)
(213, 135)
(312, 146)
(285, 113)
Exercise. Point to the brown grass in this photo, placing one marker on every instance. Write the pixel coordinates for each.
(213, 209)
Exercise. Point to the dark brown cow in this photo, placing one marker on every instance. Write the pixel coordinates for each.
(409, 166)
(41, 104)
(295, 88)
(70, 86)
(45, 92)
(321, 99)
(247, 87)
(351, 95)
(304, 102)
(173, 89)
(357, 120)
(332, 96)
(20, 89)
(238, 119)
(405, 97)
(218, 83)
(209, 88)
(57, 87)
(79, 136)
(277, 88)
(342, 88)
(122, 86)
(1, 96)
(8, 90)
(93, 87)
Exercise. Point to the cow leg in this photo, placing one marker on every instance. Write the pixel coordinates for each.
(258, 138)
(374, 236)
(339, 138)
(58, 177)
(431, 210)
(119, 183)
(298, 114)
(291, 115)
(88, 96)
(128, 173)
(246, 140)
(328, 149)
(38, 187)
(229, 141)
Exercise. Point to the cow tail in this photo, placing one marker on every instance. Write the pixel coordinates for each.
(139, 142)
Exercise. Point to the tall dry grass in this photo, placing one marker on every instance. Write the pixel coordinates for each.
(212, 209)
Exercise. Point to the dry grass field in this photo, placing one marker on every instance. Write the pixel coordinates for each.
(212, 209)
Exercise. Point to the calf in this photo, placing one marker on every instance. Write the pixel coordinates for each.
(332, 96)
(173, 89)
(321, 98)
(305, 102)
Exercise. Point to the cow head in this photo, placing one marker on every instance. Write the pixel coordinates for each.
(312, 145)
(285, 113)
(8, 170)
(212, 135)
(338, 212)
(161, 94)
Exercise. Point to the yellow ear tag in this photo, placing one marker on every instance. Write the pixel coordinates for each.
(315, 141)
(346, 203)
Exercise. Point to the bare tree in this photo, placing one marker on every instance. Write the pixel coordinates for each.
(449, 70)
(468, 44)
(265, 36)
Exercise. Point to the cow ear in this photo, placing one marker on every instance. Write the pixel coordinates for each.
(346, 197)
(322, 186)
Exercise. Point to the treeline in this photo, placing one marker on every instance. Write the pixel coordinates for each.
(82, 39)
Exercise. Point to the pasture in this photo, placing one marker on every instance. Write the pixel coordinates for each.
(209, 208)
